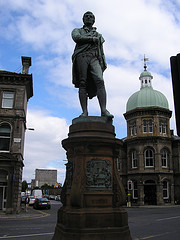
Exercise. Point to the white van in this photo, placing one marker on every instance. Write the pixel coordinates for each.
(37, 193)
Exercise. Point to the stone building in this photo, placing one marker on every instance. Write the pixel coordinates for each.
(45, 176)
(150, 164)
(15, 91)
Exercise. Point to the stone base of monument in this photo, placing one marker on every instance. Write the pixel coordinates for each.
(92, 194)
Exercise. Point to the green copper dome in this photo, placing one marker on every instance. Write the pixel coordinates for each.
(145, 73)
(147, 96)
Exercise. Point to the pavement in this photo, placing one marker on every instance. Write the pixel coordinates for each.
(32, 213)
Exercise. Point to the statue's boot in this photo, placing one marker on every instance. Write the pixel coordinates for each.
(101, 94)
(83, 102)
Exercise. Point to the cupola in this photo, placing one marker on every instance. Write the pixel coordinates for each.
(146, 96)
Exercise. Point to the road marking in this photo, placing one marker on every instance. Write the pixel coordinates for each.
(29, 235)
(153, 236)
(162, 219)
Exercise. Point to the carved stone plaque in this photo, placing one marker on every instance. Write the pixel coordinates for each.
(98, 174)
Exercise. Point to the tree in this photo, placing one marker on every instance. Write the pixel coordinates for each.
(45, 186)
(24, 186)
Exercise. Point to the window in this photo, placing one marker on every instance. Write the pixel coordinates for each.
(149, 158)
(135, 190)
(164, 157)
(144, 126)
(133, 128)
(5, 135)
(148, 126)
(163, 126)
(165, 190)
(7, 99)
(134, 159)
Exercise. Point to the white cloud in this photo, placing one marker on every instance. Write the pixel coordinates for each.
(131, 29)
(43, 145)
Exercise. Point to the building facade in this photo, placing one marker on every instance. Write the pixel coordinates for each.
(15, 91)
(150, 164)
(45, 176)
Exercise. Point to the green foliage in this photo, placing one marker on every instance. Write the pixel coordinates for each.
(45, 186)
(24, 186)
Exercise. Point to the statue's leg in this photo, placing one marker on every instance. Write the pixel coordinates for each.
(83, 99)
(82, 66)
(97, 75)
(101, 95)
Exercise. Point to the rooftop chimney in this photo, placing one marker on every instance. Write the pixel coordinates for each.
(26, 63)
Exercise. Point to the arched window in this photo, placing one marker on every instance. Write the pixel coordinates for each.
(164, 158)
(149, 158)
(134, 159)
(5, 136)
(165, 190)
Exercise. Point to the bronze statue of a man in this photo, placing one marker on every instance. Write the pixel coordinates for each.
(88, 65)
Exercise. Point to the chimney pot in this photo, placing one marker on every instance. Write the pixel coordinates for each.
(26, 63)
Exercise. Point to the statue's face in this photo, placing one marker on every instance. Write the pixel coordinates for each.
(88, 19)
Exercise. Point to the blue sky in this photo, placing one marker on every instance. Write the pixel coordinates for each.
(42, 30)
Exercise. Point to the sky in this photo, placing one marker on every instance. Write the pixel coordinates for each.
(41, 29)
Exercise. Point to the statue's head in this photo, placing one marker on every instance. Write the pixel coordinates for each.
(88, 18)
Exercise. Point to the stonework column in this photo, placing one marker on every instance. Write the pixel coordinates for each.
(159, 190)
(172, 193)
(141, 194)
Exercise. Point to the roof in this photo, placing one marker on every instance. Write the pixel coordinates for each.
(146, 96)
(12, 78)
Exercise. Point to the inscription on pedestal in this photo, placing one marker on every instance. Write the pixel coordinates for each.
(98, 175)
(100, 201)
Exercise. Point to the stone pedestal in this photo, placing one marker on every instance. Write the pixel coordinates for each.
(92, 194)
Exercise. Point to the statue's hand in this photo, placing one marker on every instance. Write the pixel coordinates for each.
(95, 39)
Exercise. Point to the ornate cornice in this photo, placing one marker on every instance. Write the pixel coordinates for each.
(157, 111)
(12, 78)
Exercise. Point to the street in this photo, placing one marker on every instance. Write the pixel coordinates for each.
(33, 227)
(156, 223)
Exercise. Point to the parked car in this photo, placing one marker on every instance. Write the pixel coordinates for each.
(46, 196)
(41, 203)
(52, 197)
(31, 200)
(58, 198)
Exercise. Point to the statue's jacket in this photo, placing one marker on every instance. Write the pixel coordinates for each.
(84, 43)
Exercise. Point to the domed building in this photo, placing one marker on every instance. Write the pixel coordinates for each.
(150, 167)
